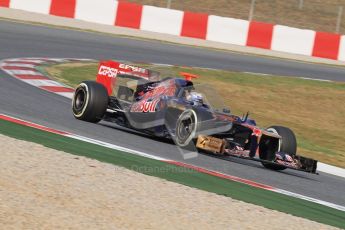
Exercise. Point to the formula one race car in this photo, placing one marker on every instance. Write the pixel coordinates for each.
(173, 108)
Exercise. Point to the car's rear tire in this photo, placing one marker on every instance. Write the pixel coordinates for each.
(287, 144)
(90, 101)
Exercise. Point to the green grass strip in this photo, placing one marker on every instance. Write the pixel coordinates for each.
(192, 178)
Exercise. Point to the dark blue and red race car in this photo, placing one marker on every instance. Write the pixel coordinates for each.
(174, 108)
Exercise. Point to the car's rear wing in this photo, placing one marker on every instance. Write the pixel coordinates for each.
(109, 71)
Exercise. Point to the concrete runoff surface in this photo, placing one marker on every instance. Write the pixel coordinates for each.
(43, 188)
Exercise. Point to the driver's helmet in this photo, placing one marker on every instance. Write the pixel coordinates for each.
(195, 98)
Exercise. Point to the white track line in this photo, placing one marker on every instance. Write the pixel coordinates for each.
(39, 83)
(21, 65)
(21, 72)
(330, 169)
(66, 94)
(315, 79)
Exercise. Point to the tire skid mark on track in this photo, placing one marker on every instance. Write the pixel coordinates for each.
(189, 166)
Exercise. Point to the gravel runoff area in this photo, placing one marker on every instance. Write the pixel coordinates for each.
(41, 188)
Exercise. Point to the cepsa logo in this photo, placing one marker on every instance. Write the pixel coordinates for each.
(107, 71)
(133, 68)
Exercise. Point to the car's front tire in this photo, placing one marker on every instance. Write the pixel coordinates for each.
(90, 101)
(287, 144)
(186, 127)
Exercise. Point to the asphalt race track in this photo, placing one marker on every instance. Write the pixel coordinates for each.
(27, 102)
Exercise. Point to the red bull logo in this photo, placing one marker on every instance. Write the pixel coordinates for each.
(145, 106)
